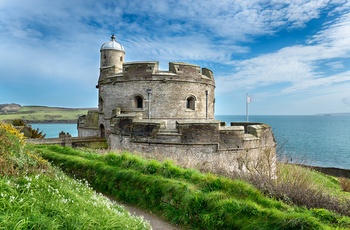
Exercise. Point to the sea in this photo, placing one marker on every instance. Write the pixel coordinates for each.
(313, 140)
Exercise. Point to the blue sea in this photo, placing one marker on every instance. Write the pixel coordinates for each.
(314, 140)
(53, 129)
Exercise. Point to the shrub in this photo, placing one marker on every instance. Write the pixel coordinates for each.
(294, 185)
(345, 184)
(27, 130)
(15, 157)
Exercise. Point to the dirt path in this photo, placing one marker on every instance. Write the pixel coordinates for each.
(156, 222)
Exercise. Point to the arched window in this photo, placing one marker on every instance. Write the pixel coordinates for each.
(191, 103)
(121, 58)
(139, 102)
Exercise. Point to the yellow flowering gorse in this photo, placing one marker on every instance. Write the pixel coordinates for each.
(14, 156)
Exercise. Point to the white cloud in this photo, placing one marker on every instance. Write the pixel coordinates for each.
(61, 39)
(298, 65)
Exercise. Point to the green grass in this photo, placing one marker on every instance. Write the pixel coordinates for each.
(43, 113)
(187, 197)
(35, 195)
(44, 201)
(317, 180)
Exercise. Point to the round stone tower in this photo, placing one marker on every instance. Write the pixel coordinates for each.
(184, 92)
(112, 54)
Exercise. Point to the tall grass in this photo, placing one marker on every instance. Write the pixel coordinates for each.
(34, 195)
(187, 197)
(44, 201)
(345, 184)
(295, 184)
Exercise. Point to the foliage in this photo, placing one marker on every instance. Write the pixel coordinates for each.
(15, 157)
(18, 122)
(44, 201)
(345, 184)
(185, 196)
(292, 183)
(27, 130)
(34, 195)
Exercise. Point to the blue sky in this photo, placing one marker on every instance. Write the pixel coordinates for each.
(292, 57)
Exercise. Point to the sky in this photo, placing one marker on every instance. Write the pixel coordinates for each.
(292, 57)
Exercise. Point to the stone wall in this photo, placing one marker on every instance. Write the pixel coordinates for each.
(169, 91)
(88, 124)
(203, 144)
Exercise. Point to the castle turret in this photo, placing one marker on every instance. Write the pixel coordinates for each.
(112, 55)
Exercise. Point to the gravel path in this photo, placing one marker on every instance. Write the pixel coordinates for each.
(156, 222)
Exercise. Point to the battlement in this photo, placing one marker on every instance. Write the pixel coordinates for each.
(140, 69)
(237, 136)
(149, 70)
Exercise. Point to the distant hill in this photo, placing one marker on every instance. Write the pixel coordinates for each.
(9, 108)
(41, 114)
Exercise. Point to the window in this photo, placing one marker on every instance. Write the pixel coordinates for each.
(121, 58)
(190, 103)
(102, 131)
(139, 102)
(100, 103)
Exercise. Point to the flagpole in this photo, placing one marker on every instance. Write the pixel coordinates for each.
(246, 107)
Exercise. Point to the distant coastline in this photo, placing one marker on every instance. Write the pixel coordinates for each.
(332, 114)
(331, 171)
(51, 121)
(41, 114)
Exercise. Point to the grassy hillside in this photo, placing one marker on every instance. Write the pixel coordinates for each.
(35, 195)
(189, 198)
(37, 114)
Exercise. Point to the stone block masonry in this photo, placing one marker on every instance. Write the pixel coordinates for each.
(170, 114)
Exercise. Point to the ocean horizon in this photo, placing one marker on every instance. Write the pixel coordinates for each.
(314, 140)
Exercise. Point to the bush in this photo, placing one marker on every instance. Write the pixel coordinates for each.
(27, 130)
(15, 157)
(345, 184)
(294, 185)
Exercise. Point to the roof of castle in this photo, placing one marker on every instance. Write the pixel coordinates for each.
(112, 45)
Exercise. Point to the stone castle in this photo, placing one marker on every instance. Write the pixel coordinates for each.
(171, 113)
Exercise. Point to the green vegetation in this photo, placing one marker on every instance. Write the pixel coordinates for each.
(304, 187)
(27, 130)
(44, 114)
(187, 197)
(35, 195)
(345, 184)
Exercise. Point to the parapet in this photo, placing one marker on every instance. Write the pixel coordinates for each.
(182, 68)
(140, 69)
(149, 70)
(207, 72)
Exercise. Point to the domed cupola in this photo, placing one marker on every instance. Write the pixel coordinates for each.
(112, 45)
(112, 55)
